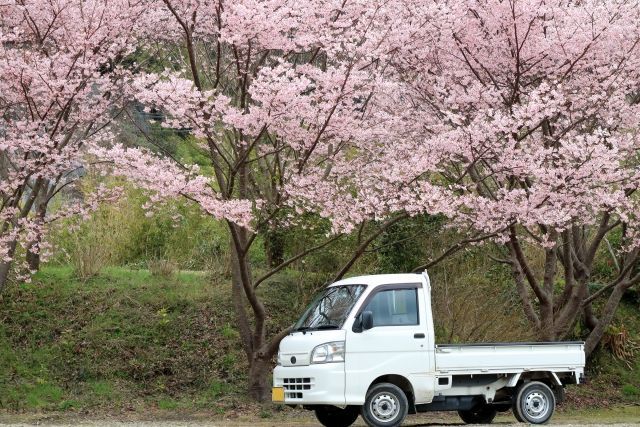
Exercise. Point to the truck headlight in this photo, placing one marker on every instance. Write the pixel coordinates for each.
(328, 352)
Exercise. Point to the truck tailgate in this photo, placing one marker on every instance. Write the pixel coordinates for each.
(509, 357)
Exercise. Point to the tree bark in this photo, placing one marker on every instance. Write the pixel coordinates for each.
(590, 320)
(554, 316)
(259, 381)
(5, 267)
(4, 274)
(33, 258)
(252, 340)
(239, 301)
(274, 247)
(609, 311)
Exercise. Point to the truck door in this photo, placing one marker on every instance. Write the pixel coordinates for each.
(397, 344)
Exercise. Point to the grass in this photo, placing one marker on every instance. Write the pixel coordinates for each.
(617, 414)
(127, 339)
(120, 339)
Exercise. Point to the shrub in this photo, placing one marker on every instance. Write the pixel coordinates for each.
(630, 390)
(122, 234)
(88, 257)
(474, 301)
(162, 267)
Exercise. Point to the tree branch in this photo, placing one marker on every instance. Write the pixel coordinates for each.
(293, 259)
(365, 244)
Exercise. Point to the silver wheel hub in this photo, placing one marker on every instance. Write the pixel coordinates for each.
(536, 405)
(384, 407)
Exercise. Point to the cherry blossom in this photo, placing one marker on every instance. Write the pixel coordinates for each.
(59, 85)
(518, 121)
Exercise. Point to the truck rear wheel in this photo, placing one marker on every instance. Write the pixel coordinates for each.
(332, 416)
(514, 409)
(481, 415)
(386, 405)
(535, 403)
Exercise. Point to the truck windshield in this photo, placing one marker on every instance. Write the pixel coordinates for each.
(330, 309)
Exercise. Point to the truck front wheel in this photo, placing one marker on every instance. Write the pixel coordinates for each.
(535, 403)
(386, 405)
(481, 415)
(332, 416)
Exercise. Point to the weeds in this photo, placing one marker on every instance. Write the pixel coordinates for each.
(618, 340)
(89, 258)
(162, 268)
(630, 390)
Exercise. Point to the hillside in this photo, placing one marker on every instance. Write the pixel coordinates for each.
(130, 341)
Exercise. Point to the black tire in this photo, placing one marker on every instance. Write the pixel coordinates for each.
(515, 410)
(386, 405)
(535, 403)
(332, 416)
(483, 414)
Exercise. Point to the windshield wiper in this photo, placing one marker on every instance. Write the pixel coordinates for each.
(315, 328)
(328, 326)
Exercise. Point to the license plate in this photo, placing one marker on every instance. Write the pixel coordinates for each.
(277, 394)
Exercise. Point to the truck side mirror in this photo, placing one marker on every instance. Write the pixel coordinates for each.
(367, 320)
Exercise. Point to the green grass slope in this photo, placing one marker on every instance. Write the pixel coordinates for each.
(122, 340)
(126, 340)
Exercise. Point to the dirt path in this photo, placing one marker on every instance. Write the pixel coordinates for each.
(615, 417)
(287, 424)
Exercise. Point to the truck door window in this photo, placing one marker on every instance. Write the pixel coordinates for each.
(394, 307)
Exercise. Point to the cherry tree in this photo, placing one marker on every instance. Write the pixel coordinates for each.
(59, 83)
(518, 121)
(269, 89)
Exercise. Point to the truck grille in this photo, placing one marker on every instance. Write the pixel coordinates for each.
(294, 387)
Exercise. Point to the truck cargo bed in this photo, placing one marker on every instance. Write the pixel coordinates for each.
(509, 357)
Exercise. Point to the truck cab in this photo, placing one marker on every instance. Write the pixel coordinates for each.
(366, 346)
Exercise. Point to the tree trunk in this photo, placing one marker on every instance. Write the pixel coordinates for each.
(590, 319)
(274, 247)
(4, 274)
(33, 258)
(259, 378)
(253, 339)
(5, 267)
(239, 303)
(546, 333)
(607, 316)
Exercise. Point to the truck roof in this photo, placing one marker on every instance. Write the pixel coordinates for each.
(381, 279)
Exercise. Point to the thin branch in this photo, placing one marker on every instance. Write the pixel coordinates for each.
(612, 253)
(457, 247)
(365, 244)
(294, 259)
(269, 349)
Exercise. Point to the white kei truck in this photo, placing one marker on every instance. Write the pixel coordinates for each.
(366, 346)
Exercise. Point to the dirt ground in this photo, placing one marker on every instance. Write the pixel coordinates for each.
(618, 417)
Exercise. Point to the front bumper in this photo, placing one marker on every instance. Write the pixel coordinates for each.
(318, 384)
